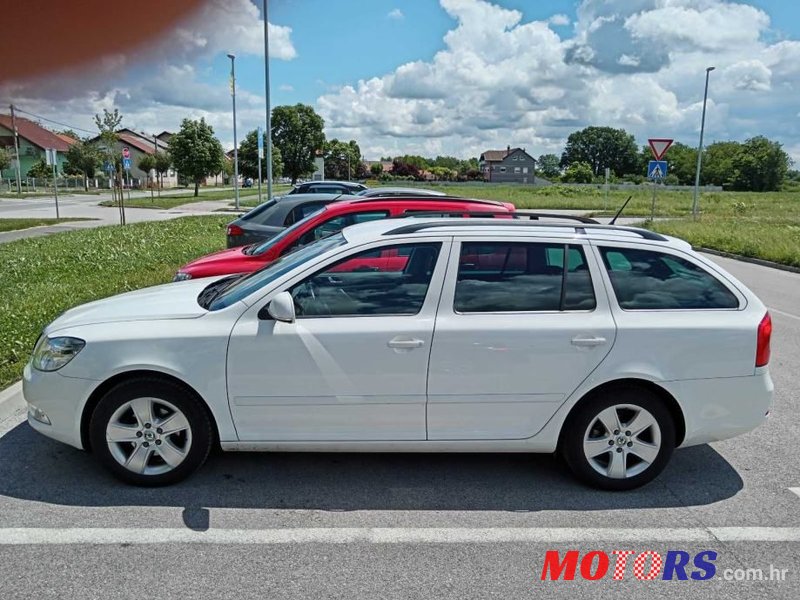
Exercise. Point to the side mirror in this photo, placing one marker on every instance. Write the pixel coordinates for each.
(281, 308)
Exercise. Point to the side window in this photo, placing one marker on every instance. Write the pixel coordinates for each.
(522, 277)
(335, 225)
(392, 280)
(301, 212)
(646, 279)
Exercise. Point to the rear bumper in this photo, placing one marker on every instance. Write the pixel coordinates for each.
(718, 409)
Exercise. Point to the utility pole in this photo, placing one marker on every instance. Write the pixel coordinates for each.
(235, 141)
(260, 158)
(16, 149)
(269, 109)
(700, 149)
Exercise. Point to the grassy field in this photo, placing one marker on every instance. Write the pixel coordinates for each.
(48, 192)
(14, 224)
(248, 196)
(42, 277)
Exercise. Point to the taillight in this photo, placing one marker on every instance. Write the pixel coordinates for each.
(234, 230)
(762, 346)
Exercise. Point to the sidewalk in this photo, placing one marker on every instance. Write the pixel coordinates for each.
(102, 215)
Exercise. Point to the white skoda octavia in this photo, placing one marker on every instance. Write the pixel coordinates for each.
(609, 345)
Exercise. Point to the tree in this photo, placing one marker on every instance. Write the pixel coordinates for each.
(163, 163)
(401, 168)
(602, 147)
(342, 159)
(578, 172)
(297, 132)
(108, 125)
(40, 170)
(70, 133)
(147, 163)
(248, 158)
(760, 165)
(549, 166)
(5, 160)
(82, 158)
(718, 163)
(195, 151)
(376, 169)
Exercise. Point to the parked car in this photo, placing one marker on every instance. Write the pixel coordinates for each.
(270, 218)
(327, 221)
(398, 191)
(609, 345)
(328, 187)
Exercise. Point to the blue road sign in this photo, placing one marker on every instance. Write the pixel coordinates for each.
(260, 143)
(126, 164)
(108, 167)
(657, 169)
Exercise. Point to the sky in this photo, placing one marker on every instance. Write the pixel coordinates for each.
(456, 77)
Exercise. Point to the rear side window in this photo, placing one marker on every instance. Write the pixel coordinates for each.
(647, 280)
(522, 277)
(258, 210)
(301, 212)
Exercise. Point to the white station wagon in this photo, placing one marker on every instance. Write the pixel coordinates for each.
(609, 345)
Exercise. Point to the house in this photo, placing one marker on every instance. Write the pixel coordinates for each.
(512, 165)
(33, 140)
(139, 145)
(386, 165)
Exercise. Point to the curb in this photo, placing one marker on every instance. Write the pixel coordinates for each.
(11, 400)
(748, 259)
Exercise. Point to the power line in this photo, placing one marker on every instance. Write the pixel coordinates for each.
(54, 122)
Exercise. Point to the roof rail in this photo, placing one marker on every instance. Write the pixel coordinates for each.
(419, 197)
(533, 215)
(454, 213)
(581, 229)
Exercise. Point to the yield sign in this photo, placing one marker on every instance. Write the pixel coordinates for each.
(659, 147)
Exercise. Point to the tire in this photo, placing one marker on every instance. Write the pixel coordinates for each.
(173, 441)
(634, 455)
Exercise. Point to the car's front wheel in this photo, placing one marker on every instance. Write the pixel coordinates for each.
(619, 440)
(150, 432)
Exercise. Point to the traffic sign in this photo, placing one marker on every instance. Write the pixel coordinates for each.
(50, 155)
(657, 169)
(659, 147)
(126, 153)
(260, 143)
(126, 163)
(108, 167)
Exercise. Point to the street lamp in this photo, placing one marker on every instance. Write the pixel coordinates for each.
(269, 111)
(235, 141)
(700, 148)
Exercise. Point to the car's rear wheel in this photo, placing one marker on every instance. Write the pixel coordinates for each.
(150, 432)
(619, 440)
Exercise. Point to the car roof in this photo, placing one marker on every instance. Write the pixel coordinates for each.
(369, 192)
(349, 184)
(388, 228)
(301, 198)
(445, 201)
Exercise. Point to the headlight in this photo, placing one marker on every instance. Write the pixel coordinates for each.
(181, 276)
(51, 354)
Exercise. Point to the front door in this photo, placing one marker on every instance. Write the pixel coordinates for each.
(353, 366)
(520, 325)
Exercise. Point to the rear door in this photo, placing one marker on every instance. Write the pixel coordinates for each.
(519, 327)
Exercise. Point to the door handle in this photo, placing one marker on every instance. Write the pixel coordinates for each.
(588, 341)
(406, 344)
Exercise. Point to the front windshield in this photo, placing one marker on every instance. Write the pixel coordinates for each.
(264, 246)
(257, 280)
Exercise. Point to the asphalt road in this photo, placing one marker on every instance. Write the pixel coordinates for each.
(407, 526)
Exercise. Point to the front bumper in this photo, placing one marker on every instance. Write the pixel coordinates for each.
(61, 398)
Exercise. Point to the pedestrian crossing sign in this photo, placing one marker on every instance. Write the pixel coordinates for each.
(657, 170)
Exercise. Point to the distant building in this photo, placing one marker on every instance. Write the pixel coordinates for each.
(386, 165)
(33, 141)
(140, 144)
(512, 165)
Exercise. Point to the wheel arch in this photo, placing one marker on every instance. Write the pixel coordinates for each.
(102, 389)
(632, 382)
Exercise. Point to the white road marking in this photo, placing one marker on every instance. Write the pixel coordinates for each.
(782, 313)
(795, 491)
(392, 535)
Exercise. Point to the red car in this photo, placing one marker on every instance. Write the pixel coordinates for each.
(332, 219)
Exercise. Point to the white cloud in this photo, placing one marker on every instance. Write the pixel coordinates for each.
(637, 64)
(559, 20)
(285, 87)
(396, 14)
